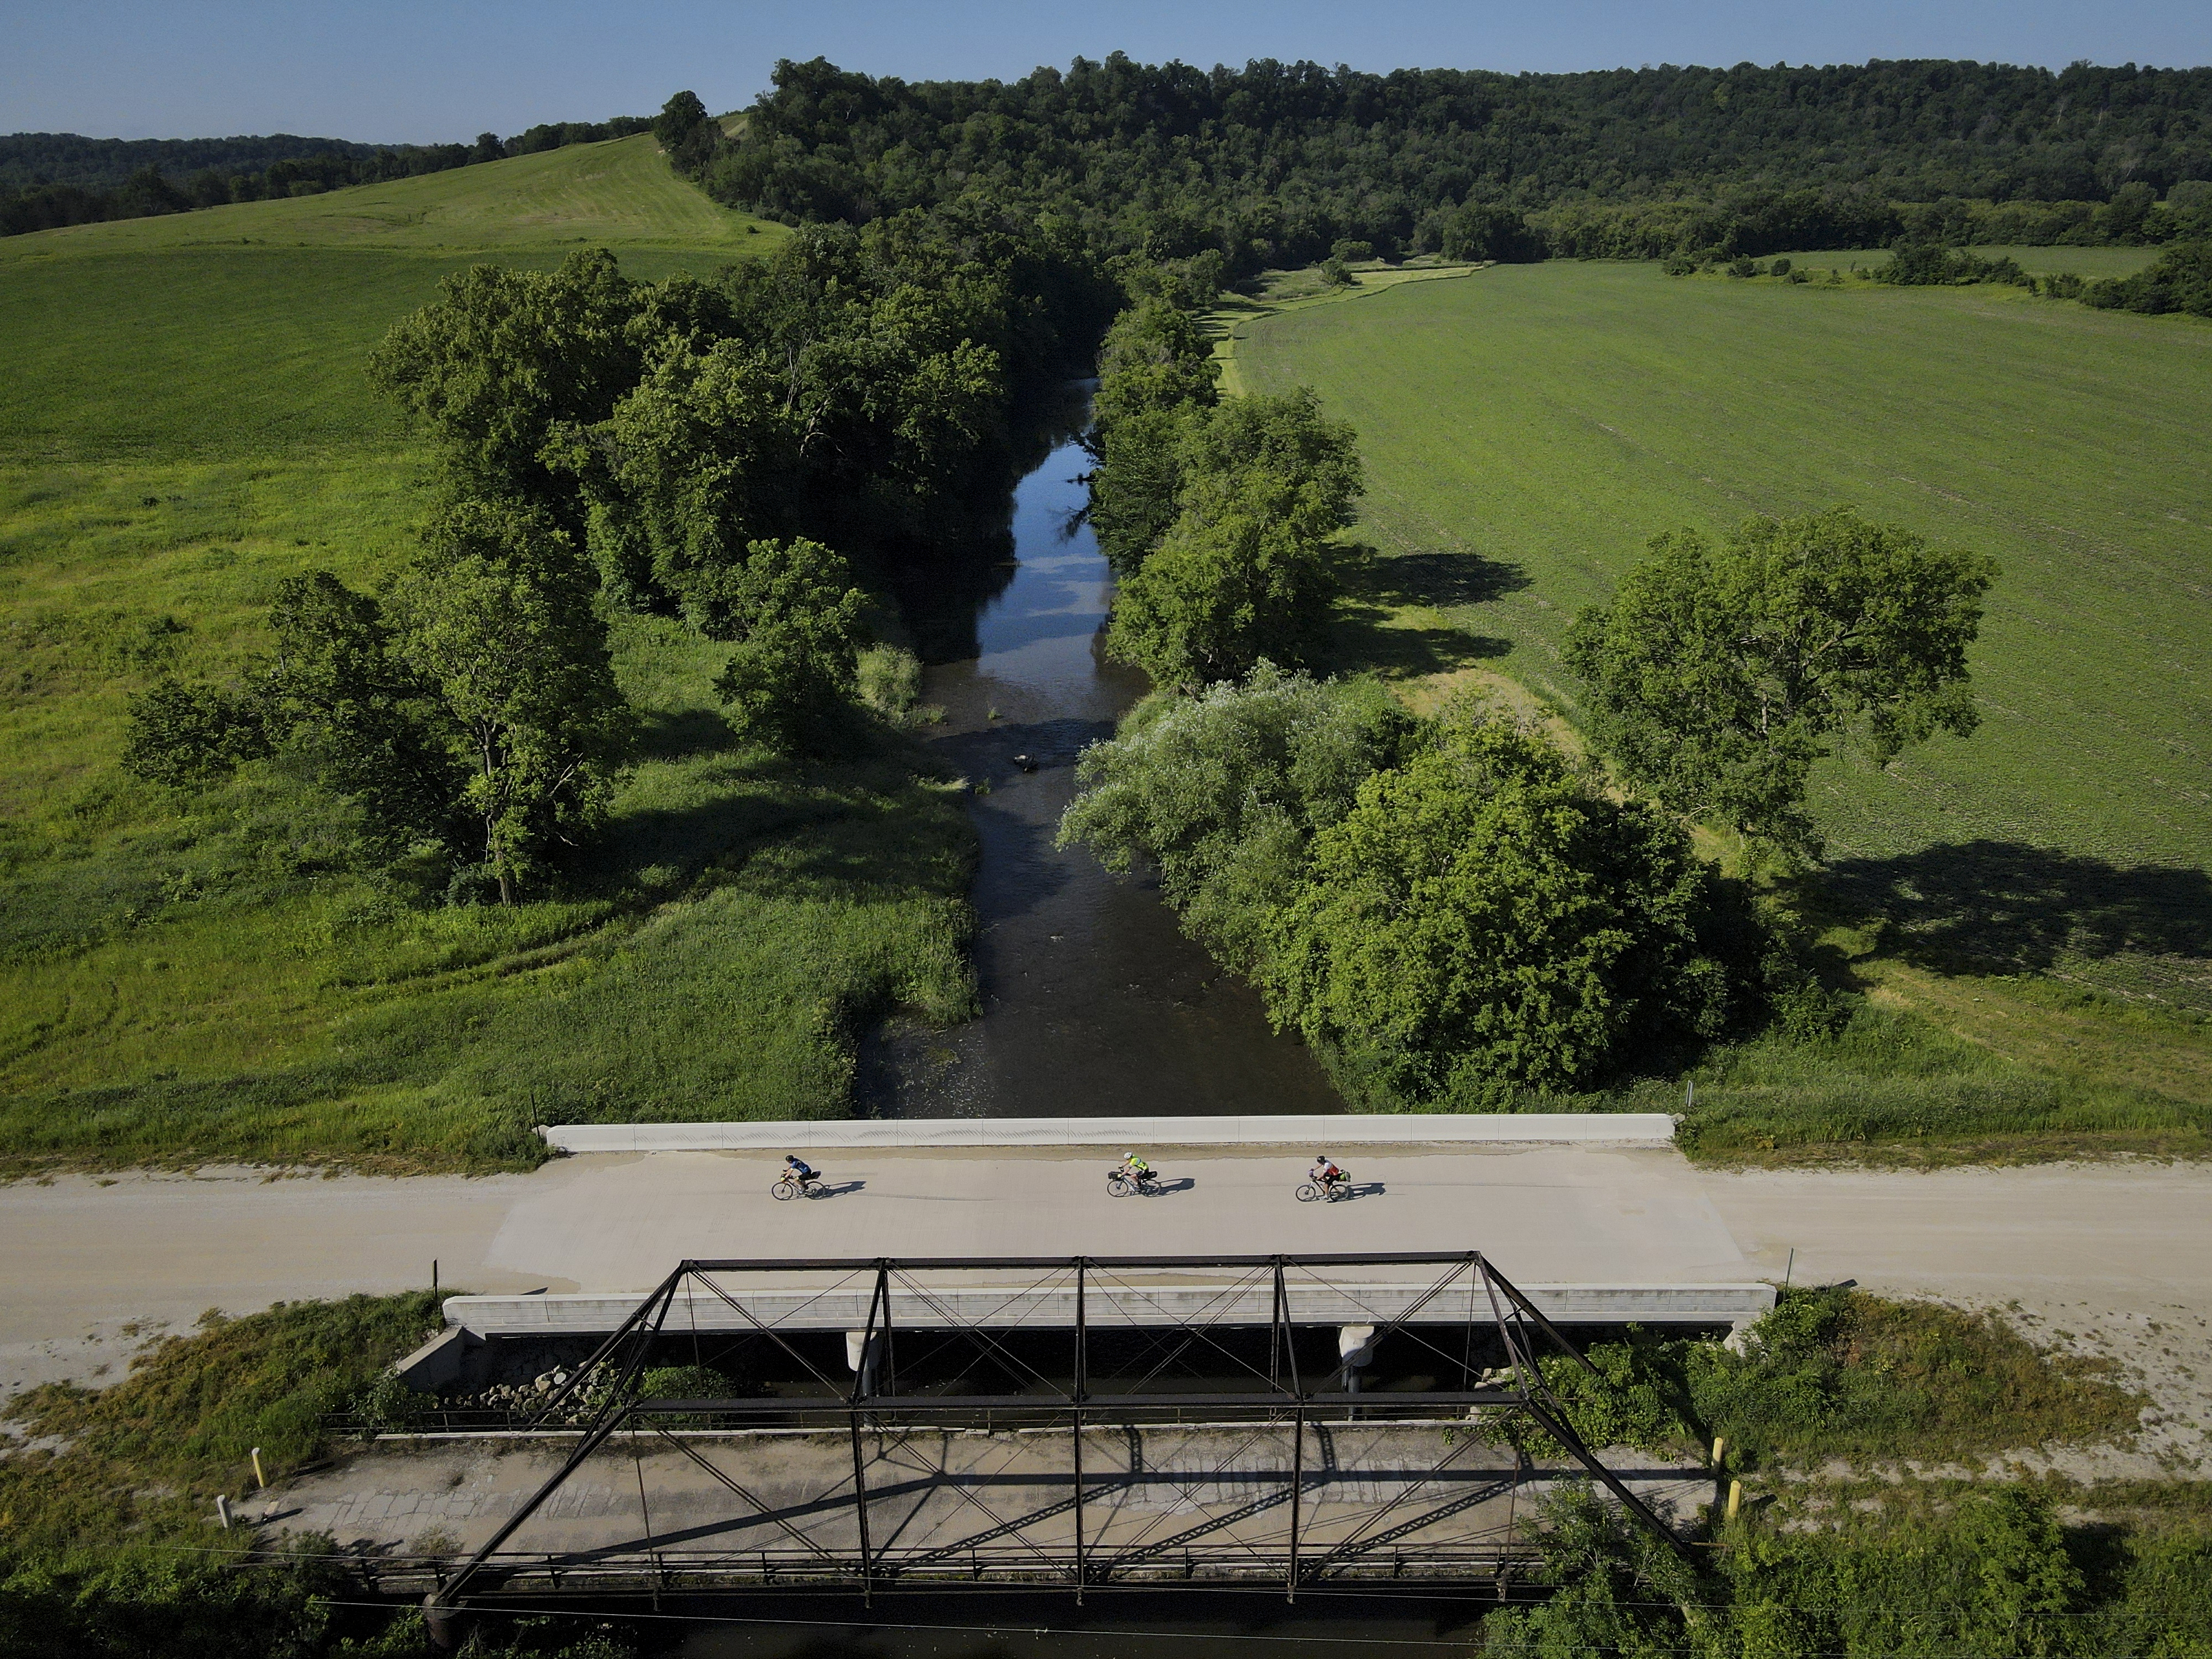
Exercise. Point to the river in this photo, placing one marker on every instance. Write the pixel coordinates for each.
(1094, 1003)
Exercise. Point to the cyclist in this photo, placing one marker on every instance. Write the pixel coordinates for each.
(800, 1170)
(1324, 1173)
(1137, 1170)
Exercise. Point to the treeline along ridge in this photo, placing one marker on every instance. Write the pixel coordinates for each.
(1274, 163)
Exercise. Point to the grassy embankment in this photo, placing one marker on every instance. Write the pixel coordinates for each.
(2029, 908)
(184, 420)
(109, 1545)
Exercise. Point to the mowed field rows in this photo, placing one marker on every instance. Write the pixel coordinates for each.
(1527, 429)
(618, 194)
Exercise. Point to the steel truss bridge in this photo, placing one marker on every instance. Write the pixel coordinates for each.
(1080, 1421)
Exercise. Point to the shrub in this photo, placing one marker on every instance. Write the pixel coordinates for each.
(684, 1383)
(2179, 279)
(388, 1406)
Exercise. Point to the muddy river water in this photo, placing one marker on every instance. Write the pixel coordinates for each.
(1094, 1003)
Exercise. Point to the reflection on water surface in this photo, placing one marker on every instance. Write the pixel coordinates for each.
(1094, 1003)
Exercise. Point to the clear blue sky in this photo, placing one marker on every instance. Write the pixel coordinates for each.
(409, 70)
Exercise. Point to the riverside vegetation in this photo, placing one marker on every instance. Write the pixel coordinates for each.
(108, 1548)
(254, 946)
(1726, 167)
(349, 903)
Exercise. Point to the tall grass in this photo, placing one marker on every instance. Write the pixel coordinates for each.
(222, 982)
(1891, 1081)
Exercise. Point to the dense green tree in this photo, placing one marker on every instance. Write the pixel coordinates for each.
(1223, 792)
(1154, 359)
(186, 735)
(1486, 917)
(335, 695)
(1720, 674)
(1154, 367)
(856, 387)
(1134, 485)
(686, 132)
(518, 668)
(1285, 434)
(506, 358)
(332, 699)
(1249, 564)
(797, 623)
(699, 459)
(2179, 279)
(1274, 163)
(1251, 570)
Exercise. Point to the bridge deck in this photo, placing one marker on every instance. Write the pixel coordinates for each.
(1590, 1216)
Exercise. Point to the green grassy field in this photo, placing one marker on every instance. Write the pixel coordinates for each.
(619, 194)
(1528, 428)
(184, 420)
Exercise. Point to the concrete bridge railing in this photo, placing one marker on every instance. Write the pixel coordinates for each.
(1310, 1133)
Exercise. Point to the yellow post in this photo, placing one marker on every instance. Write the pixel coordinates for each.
(1735, 1498)
(1719, 1442)
(259, 1479)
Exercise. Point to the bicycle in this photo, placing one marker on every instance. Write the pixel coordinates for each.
(1122, 1184)
(1311, 1191)
(788, 1186)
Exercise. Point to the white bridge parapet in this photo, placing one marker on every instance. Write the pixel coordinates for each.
(1348, 1129)
(845, 1307)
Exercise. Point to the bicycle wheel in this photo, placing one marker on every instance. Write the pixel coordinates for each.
(1309, 1191)
(785, 1187)
(815, 1189)
(1118, 1186)
(1337, 1190)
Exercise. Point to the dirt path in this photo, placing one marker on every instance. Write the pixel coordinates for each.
(89, 1267)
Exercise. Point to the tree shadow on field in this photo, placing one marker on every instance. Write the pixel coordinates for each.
(1373, 631)
(1444, 581)
(1981, 905)
(674, 734)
